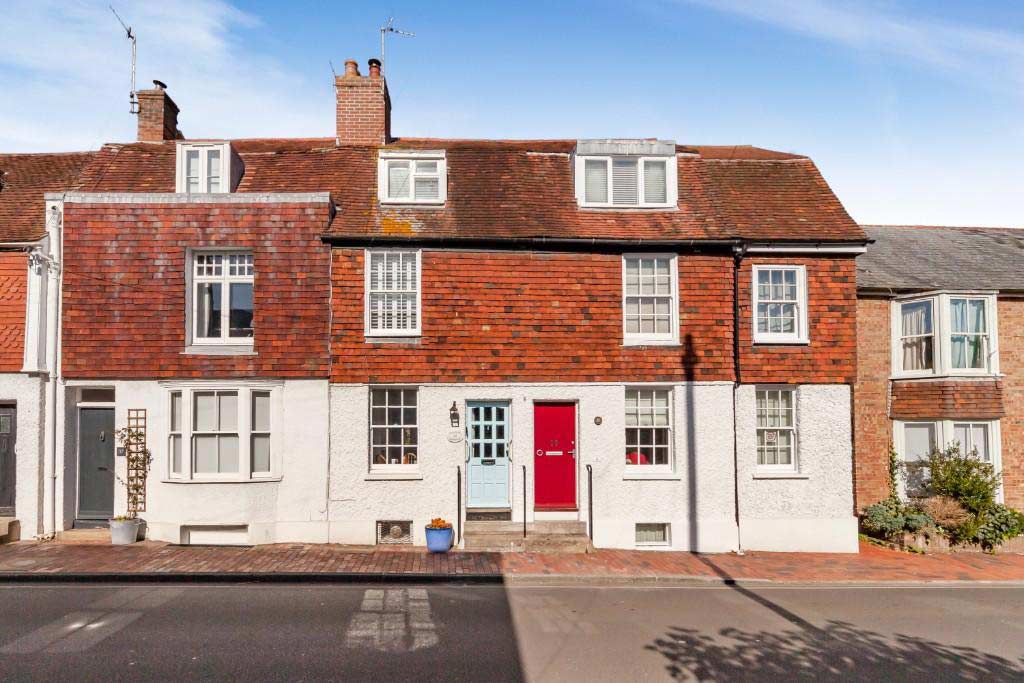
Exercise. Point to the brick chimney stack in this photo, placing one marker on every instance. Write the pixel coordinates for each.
(158, 115)
(363, 112)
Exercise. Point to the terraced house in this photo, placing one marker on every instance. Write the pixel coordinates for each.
(940, 318)
(338, 339)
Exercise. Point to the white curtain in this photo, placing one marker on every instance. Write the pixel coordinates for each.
(917, 350)
(968, 320)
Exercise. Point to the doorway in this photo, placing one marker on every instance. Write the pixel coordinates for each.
(95, 463)
(554, 462)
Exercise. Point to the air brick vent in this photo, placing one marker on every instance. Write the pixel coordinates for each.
(394, 532)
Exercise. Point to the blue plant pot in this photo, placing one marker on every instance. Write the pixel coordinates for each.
(439, 540)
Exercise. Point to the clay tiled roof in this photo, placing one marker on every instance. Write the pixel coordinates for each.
(25, 178)
(501, 189)
(919, 258)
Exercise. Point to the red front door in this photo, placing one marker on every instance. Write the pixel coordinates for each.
(554, 456)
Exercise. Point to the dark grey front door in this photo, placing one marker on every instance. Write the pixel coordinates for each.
(8, 434)
(95, 463)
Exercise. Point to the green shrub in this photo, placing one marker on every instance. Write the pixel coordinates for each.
(999, 524)
(915, 520)
(965, 478)
(884, 519)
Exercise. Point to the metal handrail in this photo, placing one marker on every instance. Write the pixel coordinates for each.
(590, 502)
(524, 501)
(458, 508)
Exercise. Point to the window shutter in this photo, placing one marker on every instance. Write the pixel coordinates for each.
(595, 177)
(655, 190)
(624, 181)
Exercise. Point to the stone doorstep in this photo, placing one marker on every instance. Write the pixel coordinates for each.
(542, 536)
(97, 536)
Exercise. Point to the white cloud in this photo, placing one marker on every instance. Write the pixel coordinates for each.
(985, 55)
(65, 72)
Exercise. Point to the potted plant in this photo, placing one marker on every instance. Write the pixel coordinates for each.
(124, 529)
(439, 535)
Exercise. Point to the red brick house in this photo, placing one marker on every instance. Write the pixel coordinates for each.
(940, 338)
(338, 339)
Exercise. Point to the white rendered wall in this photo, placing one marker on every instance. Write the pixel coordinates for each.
(813, 509)
(291, 508)
(27, 392)
(359, 499)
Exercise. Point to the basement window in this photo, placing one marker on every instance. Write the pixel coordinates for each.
(412, 178)
(206, 168)
(653, 534)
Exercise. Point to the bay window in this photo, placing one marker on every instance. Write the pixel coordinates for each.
(915, 440)
(944, 334)
(218, 433)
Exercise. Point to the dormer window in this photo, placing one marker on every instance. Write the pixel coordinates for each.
(412, 177)
(207, 168)
(626, 174)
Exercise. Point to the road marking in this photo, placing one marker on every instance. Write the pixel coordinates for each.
(45, 636)
(84, 638)
(393, 620)
(138, 598)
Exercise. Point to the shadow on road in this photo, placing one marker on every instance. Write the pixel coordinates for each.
(839, 650)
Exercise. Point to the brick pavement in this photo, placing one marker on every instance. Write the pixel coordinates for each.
(873, 564)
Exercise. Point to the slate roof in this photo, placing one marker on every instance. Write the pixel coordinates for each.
(920, 258)
(25, 178)
(501, 189)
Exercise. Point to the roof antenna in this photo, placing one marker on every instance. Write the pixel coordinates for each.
(133, 102)
(387, 28)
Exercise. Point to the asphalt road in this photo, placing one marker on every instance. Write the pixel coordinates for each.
(490, 633)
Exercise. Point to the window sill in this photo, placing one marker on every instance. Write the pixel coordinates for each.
(628, 207)
(219, 350)
(781, 475)
(651, 476)
(413, 203)
(633, 343)
(393, 476)
(257, 480)
(949, 375)
(782, 342)
(410, 339)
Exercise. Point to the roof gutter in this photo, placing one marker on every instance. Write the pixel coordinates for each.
(565, 242)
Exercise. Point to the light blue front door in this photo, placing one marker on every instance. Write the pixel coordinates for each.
(488, 442)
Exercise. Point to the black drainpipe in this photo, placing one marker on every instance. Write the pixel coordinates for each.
(738, 253)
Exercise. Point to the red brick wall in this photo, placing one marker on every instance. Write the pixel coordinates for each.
(529, 317)
(874, 408)
(13, 283)
(1011, 363)
(363, 111)
(124, 291)
(831, 356)
(980, 399)
(872, 427)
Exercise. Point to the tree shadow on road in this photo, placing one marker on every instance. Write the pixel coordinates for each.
(839, 650)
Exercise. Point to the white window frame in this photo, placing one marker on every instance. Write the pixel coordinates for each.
(942, 326)
(801, 335)
(653, 469)
(671, 182)
(792, 467)
(667, 543)
(244, 431)
(225, 280)
(945, 434)
(398, 468)
(203, 148)
(653, 338)
(383, 176)
(409, 332)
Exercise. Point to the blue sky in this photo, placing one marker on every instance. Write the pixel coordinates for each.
(911, 109)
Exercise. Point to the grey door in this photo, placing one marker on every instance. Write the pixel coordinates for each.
(8, 434)
(95, 463)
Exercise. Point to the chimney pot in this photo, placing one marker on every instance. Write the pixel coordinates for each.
(374, 68)
(351, 67)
